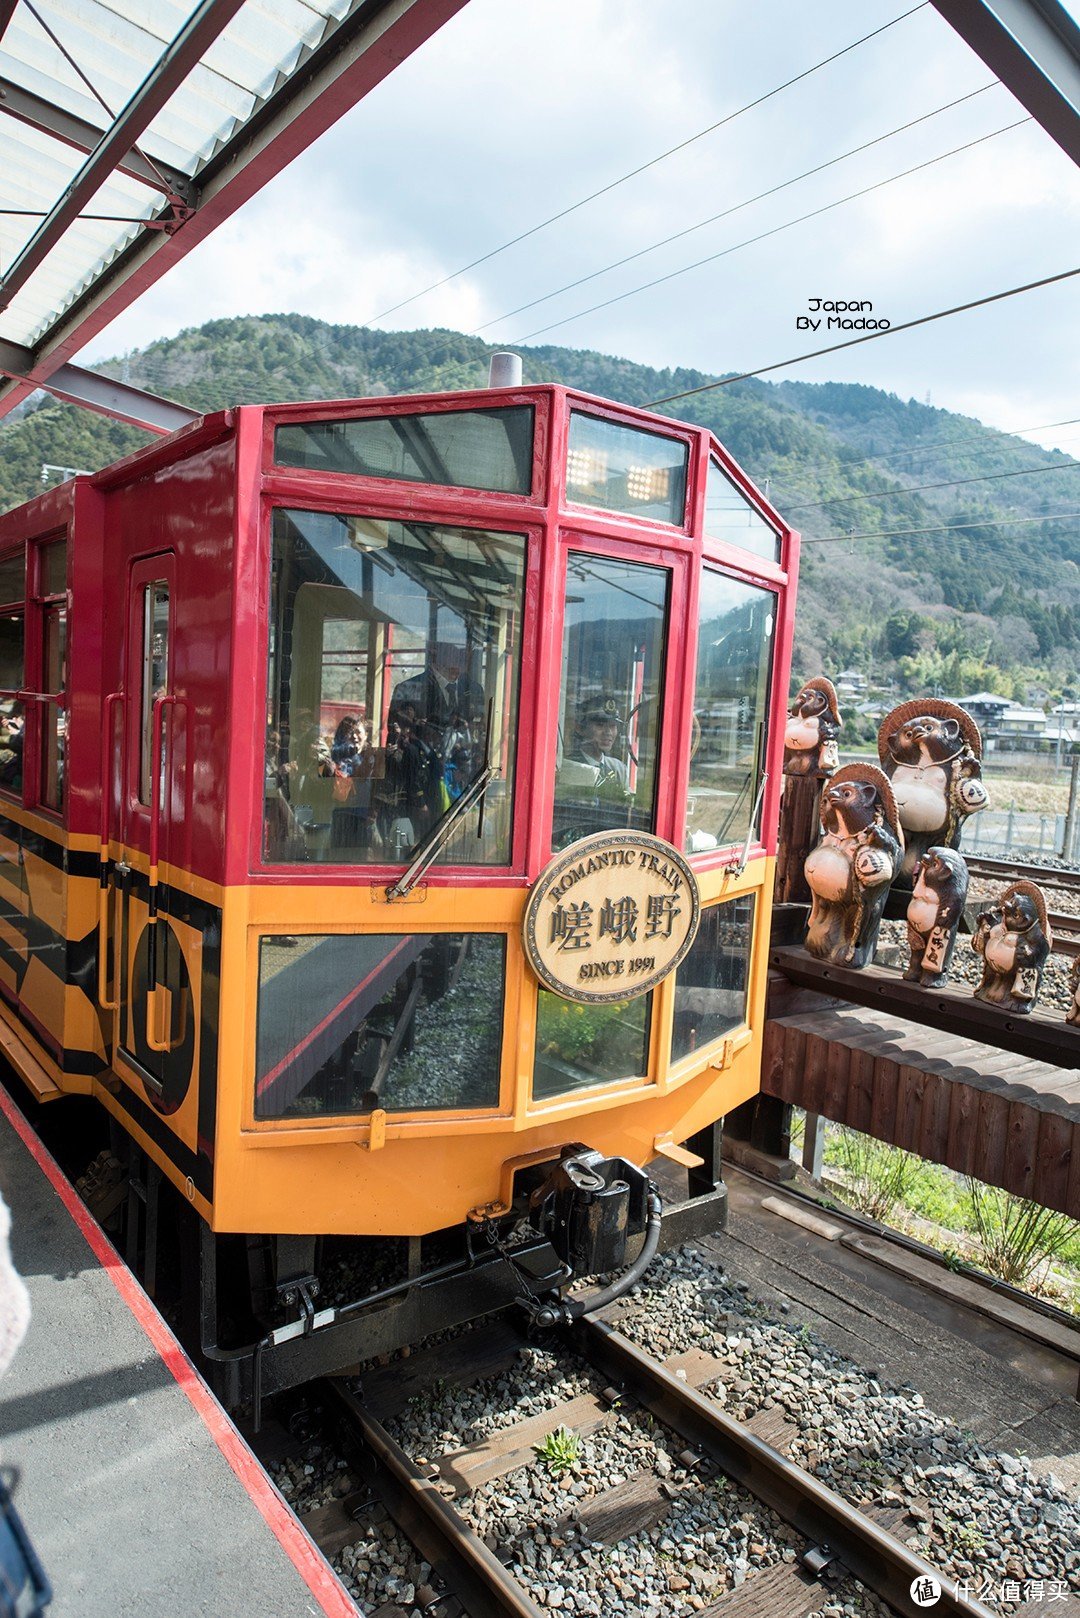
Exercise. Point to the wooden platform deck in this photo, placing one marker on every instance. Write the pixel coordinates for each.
(1008, 1119)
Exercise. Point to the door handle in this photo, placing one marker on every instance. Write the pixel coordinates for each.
(158, 777)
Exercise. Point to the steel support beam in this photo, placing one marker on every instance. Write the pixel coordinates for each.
(1034, 48)
(362, 49)
(172, 68)
(100, 393)
(84, 136)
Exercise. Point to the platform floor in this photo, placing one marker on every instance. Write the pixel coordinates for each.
(139, 1494)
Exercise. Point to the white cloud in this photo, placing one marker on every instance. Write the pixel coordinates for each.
(511, 113)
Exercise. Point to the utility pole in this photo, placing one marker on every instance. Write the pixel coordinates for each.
(1069, 836)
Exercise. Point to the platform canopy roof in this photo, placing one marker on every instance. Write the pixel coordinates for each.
(129, 132)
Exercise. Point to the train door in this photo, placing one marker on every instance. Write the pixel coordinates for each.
(154, 1030)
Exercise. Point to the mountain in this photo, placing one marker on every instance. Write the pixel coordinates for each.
(992, 606)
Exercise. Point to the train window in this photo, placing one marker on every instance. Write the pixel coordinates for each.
(52, 569)
(463, 449)
(579, 1047)
(54, 646)
(730, 516)
(13, 577)
(609, 733)
(52, 602)
(711, 983)
(155, 675)
(730, 704)
(392, 647)
(12, 716)
(625, 469)
(406, 1022)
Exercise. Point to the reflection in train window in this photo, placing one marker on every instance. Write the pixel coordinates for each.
(463, 449)
(579, 1047)
(12, 713)
(348, 1023)
(155, 677)
(625, 469)
(729, 515)
(711, 983)
(610, 704)
(728, 743)
(392, 646)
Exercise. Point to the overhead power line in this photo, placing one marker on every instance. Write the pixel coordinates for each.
(953, 483)
(666, 241)
(944, 528)
(764, 235)
(661, 157)
(972, 438)
(867, 337)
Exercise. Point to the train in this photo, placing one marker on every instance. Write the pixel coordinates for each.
(388, 793)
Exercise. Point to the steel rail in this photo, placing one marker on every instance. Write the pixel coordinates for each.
(477, 1577)
(989, 867)
(871, 1553)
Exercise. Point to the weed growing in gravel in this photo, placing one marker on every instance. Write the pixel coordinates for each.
(559, 1451)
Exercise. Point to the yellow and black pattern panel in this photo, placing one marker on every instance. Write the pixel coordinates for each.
(48, 943)
(167, 1053)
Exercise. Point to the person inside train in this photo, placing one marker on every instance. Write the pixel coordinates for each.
(594, 769)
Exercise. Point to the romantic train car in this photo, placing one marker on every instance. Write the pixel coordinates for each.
(388, 793)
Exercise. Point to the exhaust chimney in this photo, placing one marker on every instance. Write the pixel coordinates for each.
(504, 371)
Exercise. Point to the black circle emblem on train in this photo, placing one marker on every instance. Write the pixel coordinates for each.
(175, 1067)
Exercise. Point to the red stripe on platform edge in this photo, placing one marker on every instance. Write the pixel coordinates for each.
(308, 1560)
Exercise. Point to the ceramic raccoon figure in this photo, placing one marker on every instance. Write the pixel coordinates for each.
(1073, 1014)
(930, 750)
(933, 916)
(813, 725)
(1014, 938)
(850, 870)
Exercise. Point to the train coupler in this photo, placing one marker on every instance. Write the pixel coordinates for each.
(589, 1207)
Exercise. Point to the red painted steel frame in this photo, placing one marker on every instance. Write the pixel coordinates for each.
(554, 528)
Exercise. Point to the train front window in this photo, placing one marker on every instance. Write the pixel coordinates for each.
(462, 449)
(579, 1047)
(625, 469)
(730, 704)
(729, 515)
(609, 708)
(711, 983)
(348, 1023)
(394, 659)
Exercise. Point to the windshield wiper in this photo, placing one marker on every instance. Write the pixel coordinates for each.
(439, 834)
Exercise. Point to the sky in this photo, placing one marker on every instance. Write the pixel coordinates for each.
(513, 113)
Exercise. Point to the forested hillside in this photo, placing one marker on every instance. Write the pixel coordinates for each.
(992, 606)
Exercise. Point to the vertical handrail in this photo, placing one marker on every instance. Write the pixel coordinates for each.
(107, 727)
(158, 775)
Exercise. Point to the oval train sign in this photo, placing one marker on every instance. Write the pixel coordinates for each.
(611, 916)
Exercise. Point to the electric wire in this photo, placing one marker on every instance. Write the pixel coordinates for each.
(643, 167)
(867, 337)
(972, 438)
(713, 219)
(764, 235)
(953, 483)
(944, 528)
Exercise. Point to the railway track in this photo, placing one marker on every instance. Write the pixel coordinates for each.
(831, 1538)
(995, 870)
